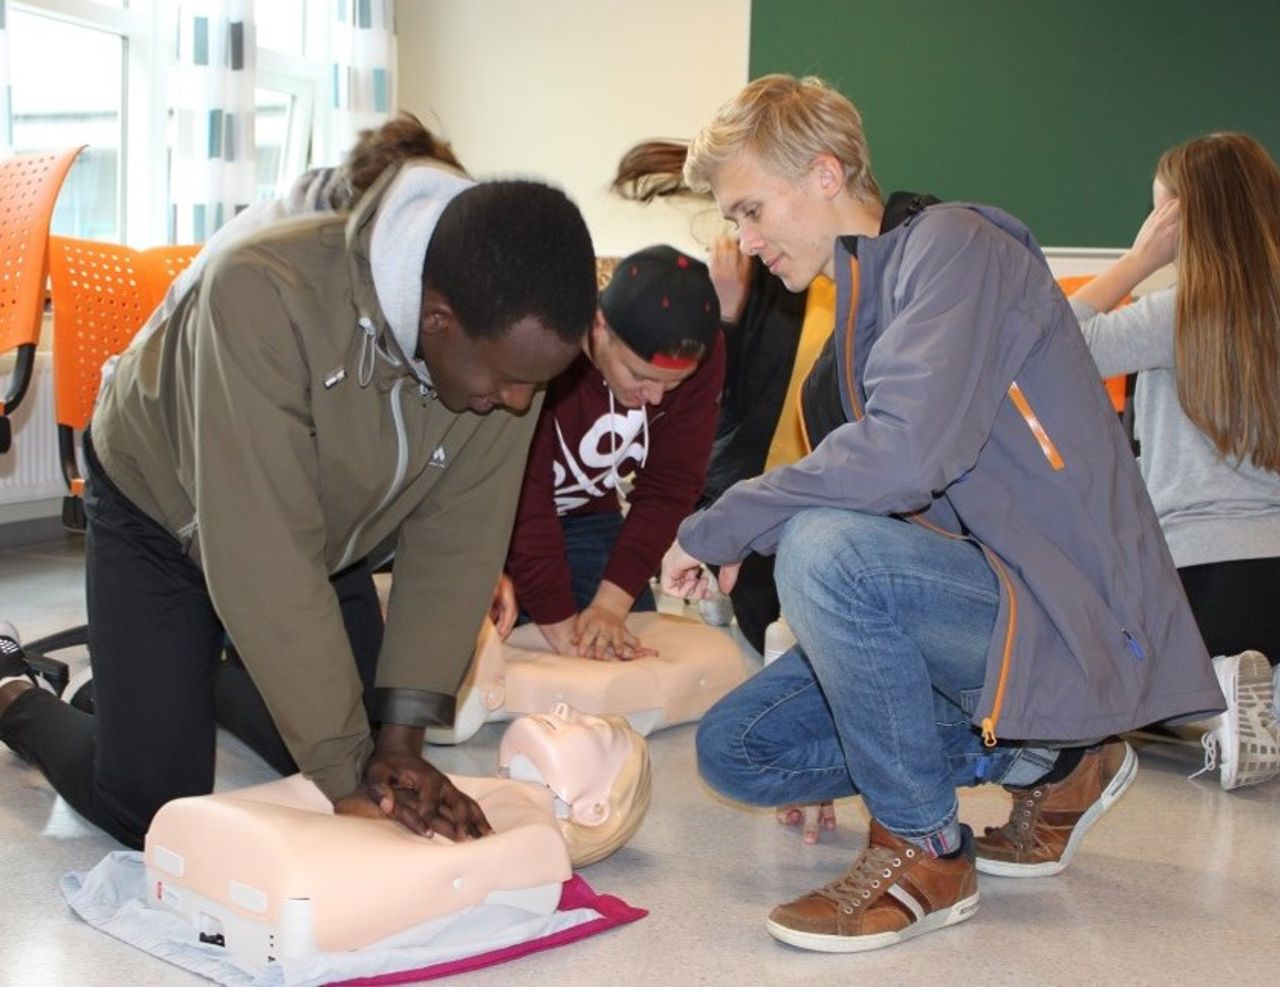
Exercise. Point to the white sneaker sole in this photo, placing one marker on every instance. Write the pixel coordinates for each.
(1115, 788)
(1248, 748)
(817, 942)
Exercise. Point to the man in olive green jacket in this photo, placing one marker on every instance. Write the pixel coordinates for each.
(331, 384)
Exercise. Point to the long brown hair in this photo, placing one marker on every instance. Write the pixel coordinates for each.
(653, 170)
(402, 137)
(1227, 324)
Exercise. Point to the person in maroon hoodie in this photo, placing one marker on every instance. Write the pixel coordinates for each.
(641, 400)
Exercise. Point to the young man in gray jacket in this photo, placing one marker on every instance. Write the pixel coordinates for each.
(330, 384)
(967, 557)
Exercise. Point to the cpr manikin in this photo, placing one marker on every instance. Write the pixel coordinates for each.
(270, 873)
(596, 766)
(695, 666)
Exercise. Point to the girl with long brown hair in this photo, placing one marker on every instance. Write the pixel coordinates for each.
(1207, 413)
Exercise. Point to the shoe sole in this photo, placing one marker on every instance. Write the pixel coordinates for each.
(1118, 785)
(820, 943)
(1248, 751)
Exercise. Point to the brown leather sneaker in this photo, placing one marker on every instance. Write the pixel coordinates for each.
(1047, 822)
(893, 892)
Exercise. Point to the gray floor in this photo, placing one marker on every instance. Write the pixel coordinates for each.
(1179, 884)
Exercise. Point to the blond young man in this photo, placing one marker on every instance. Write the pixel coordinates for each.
(968, 557)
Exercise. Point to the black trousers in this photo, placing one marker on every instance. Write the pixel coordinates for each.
(160, 678)
(1236, 605)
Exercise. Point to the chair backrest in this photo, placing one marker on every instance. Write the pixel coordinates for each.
(103, 293)
(101, 296)
(1115, 385)
(29, 185)
(604, 271)
(166, 263)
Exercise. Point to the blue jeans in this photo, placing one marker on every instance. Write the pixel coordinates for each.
(893, 622)
(588, 543)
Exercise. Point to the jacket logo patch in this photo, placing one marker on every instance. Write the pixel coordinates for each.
(438, 458)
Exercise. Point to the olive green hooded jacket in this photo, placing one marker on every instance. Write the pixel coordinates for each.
(275, 426)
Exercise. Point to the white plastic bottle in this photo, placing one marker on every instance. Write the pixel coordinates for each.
(777, 639)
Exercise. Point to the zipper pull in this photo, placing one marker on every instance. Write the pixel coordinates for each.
(988, 732)
(368, 351)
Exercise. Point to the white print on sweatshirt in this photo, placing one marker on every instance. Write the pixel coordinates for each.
(592, 470)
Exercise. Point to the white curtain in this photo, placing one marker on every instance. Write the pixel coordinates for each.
(212, 100)
(6, 100)
(363, 69)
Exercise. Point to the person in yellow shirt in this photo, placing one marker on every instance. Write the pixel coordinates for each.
(772, 336)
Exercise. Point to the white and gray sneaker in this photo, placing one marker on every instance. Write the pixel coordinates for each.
(1244, 741)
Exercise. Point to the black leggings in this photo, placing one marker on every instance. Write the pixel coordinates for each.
(1236, 605)
(755, 598)
(156, 645)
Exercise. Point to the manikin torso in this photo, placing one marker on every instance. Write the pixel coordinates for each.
(273, 872)
(695, 666)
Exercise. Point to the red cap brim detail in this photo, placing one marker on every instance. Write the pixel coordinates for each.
(673, 362)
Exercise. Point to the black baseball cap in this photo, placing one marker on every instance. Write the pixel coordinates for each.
(661, 303)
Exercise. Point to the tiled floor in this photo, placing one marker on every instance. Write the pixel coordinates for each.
(1180, 883)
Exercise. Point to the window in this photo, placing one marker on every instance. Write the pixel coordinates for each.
(96, 73)
(50, 62)
(281, 25)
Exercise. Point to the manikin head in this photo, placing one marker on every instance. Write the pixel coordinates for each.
(787, 162)
(657, 319)
(597, 767)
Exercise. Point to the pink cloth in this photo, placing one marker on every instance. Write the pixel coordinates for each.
(577, 893)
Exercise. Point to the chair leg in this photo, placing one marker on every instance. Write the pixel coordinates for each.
(52, 670)
(70, 638)
(73, 518)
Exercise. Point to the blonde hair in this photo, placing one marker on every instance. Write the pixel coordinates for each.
(627, 805)
(787, 122)
(1227, 322)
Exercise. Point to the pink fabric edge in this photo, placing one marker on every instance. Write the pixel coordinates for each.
(576, 893)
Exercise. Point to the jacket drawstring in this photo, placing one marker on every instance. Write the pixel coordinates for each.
(613, 439)
(613, 442)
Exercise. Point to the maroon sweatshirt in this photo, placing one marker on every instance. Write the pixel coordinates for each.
(581, 447)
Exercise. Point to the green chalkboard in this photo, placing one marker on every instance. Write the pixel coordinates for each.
(1055, 110)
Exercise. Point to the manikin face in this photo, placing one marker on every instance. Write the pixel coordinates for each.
(480, 374)
(788, 224)
(576, 755)
(633, 380)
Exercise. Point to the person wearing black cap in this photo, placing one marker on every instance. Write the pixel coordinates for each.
(642, 399)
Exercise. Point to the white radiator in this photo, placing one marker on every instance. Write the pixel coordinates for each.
(30, 470)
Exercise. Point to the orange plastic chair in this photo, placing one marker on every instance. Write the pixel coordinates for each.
(166, 263)
(29, 186)
(1118, 386)
(102, 295)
